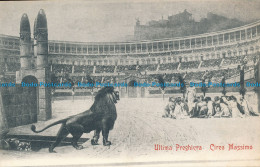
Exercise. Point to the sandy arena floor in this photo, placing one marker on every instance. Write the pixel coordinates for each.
(139, 127)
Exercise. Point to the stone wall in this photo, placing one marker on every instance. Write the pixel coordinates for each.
(3, 121)
(19, 105)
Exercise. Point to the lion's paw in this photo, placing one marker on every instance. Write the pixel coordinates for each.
(107, 143)
(79, 147)
(93, 142)
(52, 151)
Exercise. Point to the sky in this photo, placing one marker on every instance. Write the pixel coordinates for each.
(113, 20)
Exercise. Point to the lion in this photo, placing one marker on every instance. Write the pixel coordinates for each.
(100, 117)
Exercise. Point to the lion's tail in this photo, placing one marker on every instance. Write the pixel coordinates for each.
(33, 128)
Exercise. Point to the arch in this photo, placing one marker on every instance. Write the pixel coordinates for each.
(202, 57)
(252, 49)
(257, 48)
(223, 54)
(245, 51)
(131, 83)
(180, 59)
(137, 61)
(132, 91)
(158, 60)
(30, 79)
(31, 96)
(164, 60)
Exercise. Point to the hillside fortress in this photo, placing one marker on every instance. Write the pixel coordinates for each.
(183, 24)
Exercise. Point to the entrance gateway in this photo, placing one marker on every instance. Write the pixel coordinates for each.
(28, 73)
(132, 90)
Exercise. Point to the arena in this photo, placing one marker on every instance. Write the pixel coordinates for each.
(140, 127)
(161, 118)
(206, 55)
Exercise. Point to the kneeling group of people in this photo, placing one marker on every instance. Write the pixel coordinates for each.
(224, 106)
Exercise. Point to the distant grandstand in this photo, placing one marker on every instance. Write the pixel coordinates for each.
(211, 56)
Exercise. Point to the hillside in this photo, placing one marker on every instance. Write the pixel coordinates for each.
(183, 24)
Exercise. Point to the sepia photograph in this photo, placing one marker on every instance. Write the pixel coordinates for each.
(130, 83)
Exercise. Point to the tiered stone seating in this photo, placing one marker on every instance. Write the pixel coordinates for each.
(189, 65)
(104, 69)
(211, 63)
(170, 66)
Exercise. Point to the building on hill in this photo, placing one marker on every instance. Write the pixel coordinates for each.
(180, 18)
(183, 24)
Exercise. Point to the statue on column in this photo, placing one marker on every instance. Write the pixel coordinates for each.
(161, 81)
(183, 85)
(242, 77)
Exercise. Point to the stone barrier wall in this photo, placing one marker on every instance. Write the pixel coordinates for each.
(19, 105)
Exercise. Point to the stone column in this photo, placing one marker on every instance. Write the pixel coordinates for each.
(43, 70)
(25, 42)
